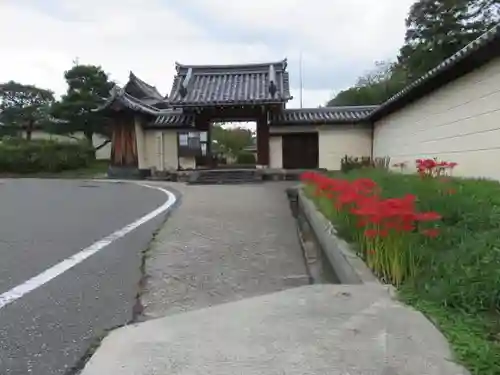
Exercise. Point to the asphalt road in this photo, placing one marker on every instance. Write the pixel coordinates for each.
(42, 222)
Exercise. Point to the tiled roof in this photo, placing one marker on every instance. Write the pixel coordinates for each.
(120, 97)
(417, 88)
(172, 118)
(324, 115)
(141, 90)
(199, 85)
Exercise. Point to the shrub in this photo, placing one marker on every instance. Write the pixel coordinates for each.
(22, 156)
(349, 163)
(245, 158)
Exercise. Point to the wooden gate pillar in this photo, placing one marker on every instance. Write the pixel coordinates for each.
(262, 141)
(203, 124)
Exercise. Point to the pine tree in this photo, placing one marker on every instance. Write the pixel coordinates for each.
(88, 86)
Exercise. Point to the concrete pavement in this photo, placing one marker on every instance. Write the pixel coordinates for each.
(42, 222)
(226, 286)
(224, 243)
(316, 330)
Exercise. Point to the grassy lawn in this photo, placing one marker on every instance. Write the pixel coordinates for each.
(98, 168)
(456, 277)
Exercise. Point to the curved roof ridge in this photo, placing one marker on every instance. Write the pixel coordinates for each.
(118, 93)
(242, 66)
(148, 90)
(335, 108)
(322, 115)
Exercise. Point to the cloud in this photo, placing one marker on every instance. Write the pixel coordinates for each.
(339, 40)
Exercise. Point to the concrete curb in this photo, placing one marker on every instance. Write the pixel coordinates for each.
(349, 268)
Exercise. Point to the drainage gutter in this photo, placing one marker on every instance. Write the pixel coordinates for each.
(347, 266)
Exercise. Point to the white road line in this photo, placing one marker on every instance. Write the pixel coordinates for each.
(58, 269)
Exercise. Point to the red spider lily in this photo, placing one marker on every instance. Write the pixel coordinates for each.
(383, 224)
(433, 167)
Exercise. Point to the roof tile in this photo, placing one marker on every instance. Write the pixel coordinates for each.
(119, 96)
(172, 118)
(230, 84)
(141, 90)
(323, 115)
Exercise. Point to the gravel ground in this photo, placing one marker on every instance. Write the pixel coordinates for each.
(223, 243)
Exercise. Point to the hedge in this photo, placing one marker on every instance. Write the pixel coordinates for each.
(22, 156)
(245, 158)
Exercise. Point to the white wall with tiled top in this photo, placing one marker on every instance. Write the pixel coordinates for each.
(334, 142)
(104, 153)
(276, 152)
(459, 122)
(159, 151)
(337, 141)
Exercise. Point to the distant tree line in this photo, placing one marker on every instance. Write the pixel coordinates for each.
(435, 30)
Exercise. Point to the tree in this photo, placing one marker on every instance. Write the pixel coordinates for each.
(438, 29)
(232, 140)
(88, 87)
(375, 87)
(24, 106)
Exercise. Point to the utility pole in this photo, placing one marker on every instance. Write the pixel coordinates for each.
(300, 77)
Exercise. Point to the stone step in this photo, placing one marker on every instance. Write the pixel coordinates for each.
(225, 177)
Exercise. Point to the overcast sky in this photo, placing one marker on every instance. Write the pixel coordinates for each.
(339, 39)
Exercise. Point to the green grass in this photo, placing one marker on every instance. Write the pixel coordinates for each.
(458, 282)
(471, 336)
(98, 168)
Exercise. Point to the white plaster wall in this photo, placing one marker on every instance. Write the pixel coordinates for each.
(337, 141)
(459, 122)
(151, 154)
(103, 153)
(334, 142)
(154, 153)
(276, 152)
(170, 154)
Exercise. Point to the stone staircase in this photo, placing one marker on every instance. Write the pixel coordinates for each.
(225, 176)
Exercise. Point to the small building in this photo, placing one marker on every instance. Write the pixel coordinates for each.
(155, 133)
(452, 113)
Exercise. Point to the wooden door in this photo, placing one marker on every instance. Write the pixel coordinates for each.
(300, 151)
